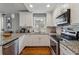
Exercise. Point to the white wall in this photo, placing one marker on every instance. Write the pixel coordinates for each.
(74, 13)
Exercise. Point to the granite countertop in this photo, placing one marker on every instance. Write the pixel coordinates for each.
(14, 36)
(72, 45)
(4, 40)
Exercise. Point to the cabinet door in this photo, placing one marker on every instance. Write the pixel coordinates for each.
(44, 40)
(21, 43)
(22, 21)
(28, 40)
(28, 19)
(49, 20)
(25, 19)
(34, 40)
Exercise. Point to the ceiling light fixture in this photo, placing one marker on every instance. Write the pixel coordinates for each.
(31, 5)
(47, 5)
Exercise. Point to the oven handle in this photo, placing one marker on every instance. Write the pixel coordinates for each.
(8, 45)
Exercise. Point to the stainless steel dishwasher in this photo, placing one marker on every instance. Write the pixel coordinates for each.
(10, 48)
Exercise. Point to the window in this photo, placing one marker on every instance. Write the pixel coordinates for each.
(39, 22)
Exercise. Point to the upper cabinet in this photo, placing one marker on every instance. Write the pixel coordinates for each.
(49, 19)
(25, 19)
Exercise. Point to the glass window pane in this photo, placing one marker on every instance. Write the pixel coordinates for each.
(39, 23)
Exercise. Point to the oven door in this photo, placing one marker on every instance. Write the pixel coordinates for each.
(54, 46)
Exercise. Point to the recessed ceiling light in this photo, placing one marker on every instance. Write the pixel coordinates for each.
(13, 15)
(31, 5)
(47, 5)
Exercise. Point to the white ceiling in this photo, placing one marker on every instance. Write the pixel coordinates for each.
(16, 7)
(41, 7)
(11, 7)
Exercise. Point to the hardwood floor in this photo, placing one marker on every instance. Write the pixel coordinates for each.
(36, 51)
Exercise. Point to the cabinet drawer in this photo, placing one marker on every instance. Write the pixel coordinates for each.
(44, 42)
(44, 36)
(34, 36)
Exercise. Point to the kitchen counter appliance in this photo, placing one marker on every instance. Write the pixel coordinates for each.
(55, 44)
(70, 35)
(10, 48)
(23, 30)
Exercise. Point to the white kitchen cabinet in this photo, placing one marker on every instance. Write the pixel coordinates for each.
(38, 40)
(0, 50)
(21, 43)
(28, 41)
(31, 40)
(22, 19)
(65, 51)
(44, 40)
(49, 19)
(29, 19)
(25, 19)
(35, 42)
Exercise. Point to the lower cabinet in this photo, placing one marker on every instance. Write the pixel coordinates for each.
(65, 51)
(33, 40)
(38, 40)
(21, 43)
